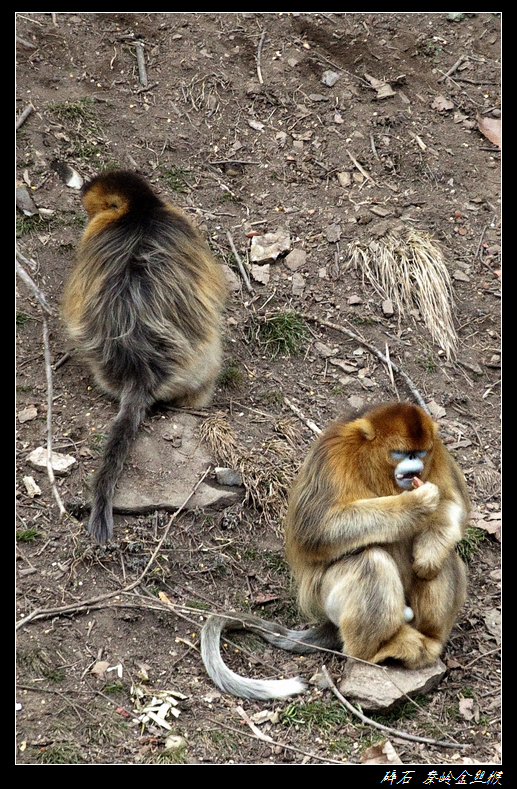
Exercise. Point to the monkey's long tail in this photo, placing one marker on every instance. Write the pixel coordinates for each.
(300, 641)
(133, 407)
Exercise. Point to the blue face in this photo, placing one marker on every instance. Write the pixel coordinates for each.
(409, 465)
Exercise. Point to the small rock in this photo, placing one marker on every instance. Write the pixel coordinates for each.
(31, 487)
(27, 414)
(380, 688)
(61, 464)
(298, 285)
(333, 232)
(296, 259)
(329, 78)
(345, 366)
(442, 104)
(269, 246)
(232, 280)
(355, 402)
(323, 350)
(353, 300)
(494, 361)
(24, 201)
(281, 138)
(174, 743)
(379, 210)
(260, 273)
(345, 179)
(472, 366)
(436, 411)
(387, 307)
(319, 680)
(159, 475)
(227, 476)
(385, 91)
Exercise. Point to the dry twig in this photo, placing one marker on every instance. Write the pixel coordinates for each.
(259, 55)
(240, 264)
(42, 613)
(45, 310)
(310, 424)
(140, 59)
(276, 744)
(24, 115)
(414, 391)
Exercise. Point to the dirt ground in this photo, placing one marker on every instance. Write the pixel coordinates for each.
(242, 125)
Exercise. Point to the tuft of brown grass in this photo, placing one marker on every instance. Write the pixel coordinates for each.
(267, 472)
(412, 273)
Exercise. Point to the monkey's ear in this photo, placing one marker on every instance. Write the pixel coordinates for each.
(365, 428)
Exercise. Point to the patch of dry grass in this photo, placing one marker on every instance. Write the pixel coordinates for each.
(412, 273)
(267, 471)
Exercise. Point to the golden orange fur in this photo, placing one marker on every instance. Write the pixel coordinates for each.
(371, 550)
(353, 536)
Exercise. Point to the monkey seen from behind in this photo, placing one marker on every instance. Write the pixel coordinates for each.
(143, 305)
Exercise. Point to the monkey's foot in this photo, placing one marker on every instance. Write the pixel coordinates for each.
(412, 648)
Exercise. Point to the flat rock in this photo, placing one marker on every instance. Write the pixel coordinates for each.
(296, 258)
(61, 464)
(269, 246)
(165, 463)
(379, 688)
(260, 273)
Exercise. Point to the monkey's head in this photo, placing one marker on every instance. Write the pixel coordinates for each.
(397, 441)
(117, 192)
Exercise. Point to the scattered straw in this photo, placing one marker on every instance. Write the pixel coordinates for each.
(411, 273)
(267, 472)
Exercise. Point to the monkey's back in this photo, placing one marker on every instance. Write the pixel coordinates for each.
(144, 301)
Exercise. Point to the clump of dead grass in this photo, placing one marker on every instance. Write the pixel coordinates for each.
(412, 273)
(267, 472)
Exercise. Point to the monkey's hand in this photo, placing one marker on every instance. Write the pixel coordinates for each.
(432, 546)
(428, 556)
(426, 497)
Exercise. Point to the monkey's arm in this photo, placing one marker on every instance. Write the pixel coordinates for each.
(444, 529)
(385, 519)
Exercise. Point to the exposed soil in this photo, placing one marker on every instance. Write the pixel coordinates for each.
(246, 149)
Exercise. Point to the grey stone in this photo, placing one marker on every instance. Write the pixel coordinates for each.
(163, 467)
(379, 688)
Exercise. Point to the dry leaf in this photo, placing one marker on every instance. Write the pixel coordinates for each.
(441, 104)
(384, 89)
(100, 668)
(381, 753)
(491, 128)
